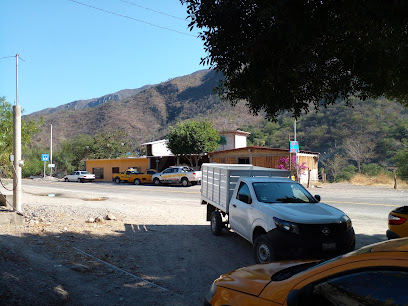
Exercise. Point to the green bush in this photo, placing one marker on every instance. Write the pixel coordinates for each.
(402, 163)
(347, 173)
(372, 169)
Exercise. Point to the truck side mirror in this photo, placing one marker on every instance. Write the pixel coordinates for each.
(317, 197)
(245, 198)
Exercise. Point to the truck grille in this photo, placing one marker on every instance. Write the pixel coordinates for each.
(331, 230)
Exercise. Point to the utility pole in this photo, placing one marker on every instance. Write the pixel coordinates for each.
(51, 151)
(17, 149)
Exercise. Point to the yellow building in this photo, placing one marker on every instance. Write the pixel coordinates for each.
(103, 168)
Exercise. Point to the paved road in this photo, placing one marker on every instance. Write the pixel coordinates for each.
(368, 207)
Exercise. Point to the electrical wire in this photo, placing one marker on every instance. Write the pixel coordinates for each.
(124, 16)
(14, 186)
(146, 8)
(7, 56)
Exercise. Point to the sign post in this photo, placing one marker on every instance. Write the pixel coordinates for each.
(294, 148)
(45, 158)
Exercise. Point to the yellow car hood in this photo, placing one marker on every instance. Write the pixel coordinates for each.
(253, 279)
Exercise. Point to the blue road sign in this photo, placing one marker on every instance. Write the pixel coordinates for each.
(294, 147)
(45, 157)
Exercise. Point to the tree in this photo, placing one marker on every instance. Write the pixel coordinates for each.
(401, 157)
(359, 149)
(335, 166)
(28, 130)
(72, 152)
(192, 139)
(293, 55)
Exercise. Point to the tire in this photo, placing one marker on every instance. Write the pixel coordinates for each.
(66, 179)
(117, 180)
(184, 182)
(82, 180)
(263, 250)
(137, 181)
(156, 182)
(216, 223)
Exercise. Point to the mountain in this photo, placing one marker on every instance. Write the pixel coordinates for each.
(122, 94)
(146, 113)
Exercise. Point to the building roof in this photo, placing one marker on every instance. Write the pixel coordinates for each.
(239, 132)
(262, 148)
(155, 142)
(120, 158)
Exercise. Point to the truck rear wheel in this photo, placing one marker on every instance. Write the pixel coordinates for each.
(184, 182)
(117, 180)
(263, 250)
(216, 223)
(136, 181)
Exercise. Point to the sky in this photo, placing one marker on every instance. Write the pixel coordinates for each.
(82, 49)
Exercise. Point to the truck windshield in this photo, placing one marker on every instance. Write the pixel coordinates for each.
(276, 192)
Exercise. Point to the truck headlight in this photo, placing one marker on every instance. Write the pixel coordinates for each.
(286, 226)
(348, 222)
(211, 292)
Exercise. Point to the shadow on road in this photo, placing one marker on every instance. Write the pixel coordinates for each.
(138, 264)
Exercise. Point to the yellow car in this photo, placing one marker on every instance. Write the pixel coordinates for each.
(397, 223)
(373, 275)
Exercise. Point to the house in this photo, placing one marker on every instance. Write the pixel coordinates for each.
(232, 140)
(267, 157)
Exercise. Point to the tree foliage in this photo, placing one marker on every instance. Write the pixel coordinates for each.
(28, 129)
(71, 153)
(192, 139)
(288, 55)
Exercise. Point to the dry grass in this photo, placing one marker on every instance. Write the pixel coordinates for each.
(382, 180)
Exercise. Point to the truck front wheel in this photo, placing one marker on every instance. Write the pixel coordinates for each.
(216, 223)
(263, 250)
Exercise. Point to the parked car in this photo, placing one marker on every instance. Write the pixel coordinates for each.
(373, 275)
(178, 175)
(79, 176)
(397, 223)
(133, 176)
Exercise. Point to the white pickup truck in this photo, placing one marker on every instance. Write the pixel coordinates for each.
(177, 175)
(277, 215)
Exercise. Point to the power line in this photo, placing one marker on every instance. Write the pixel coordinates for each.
(146, 8)
(138, 20)
(12, 56)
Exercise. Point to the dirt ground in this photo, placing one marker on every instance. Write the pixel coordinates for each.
(152, 252)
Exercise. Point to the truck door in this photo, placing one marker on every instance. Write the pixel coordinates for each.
(239, 211)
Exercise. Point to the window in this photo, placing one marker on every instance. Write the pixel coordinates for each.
(98, 173)
(282, 192)
(243, 160)
(115, 169)
(151, 172)
(244, 195)
(381, 286)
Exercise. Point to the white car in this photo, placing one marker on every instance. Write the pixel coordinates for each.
(79, 176)
(177, 175)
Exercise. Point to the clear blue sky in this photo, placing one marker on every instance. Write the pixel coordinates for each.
(74, 52)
